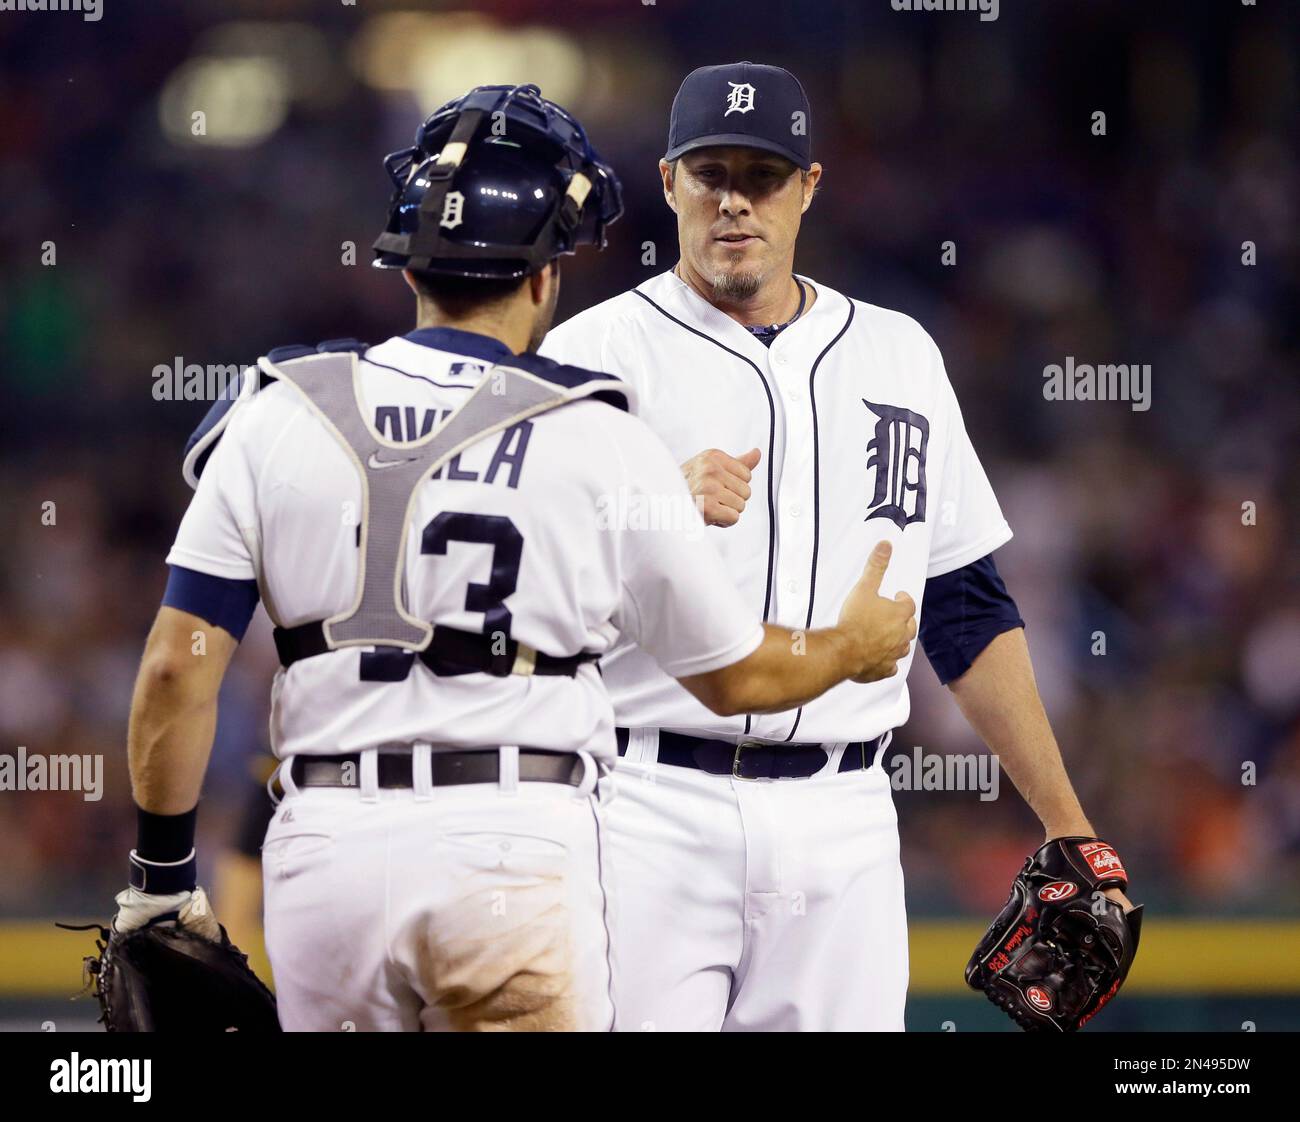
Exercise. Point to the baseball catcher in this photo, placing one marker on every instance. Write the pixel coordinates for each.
(1059, 949)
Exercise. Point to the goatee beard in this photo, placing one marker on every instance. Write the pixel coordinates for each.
(735, 287)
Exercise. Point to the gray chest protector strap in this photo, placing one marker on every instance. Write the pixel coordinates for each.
(391, 475)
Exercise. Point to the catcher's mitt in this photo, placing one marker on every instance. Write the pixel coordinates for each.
(1059, 949)
(163, 977)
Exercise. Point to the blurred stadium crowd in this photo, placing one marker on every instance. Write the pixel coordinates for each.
(1125, 247)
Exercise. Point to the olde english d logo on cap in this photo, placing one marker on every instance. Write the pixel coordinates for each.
(740, 99)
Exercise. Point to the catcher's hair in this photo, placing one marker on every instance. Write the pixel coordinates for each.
(458, 297)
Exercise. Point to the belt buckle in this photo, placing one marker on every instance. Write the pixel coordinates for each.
(735, 761)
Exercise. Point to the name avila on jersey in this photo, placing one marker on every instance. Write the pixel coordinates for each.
(398, 423)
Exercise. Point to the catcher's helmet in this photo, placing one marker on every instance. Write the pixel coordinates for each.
(498, 183)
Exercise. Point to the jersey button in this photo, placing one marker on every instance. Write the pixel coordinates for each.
(795, 510)
(792, 586)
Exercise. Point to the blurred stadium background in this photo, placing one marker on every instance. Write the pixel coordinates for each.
(933, 127)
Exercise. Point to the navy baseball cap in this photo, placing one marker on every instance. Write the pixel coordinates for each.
(742, 103)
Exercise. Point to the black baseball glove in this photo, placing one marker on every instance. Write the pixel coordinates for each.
(164, 976)
(1060, 949)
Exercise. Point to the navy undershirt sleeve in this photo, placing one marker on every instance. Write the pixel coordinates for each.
(963, 612)
(224, 603)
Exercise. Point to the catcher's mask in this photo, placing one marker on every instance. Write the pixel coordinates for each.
(498, 183)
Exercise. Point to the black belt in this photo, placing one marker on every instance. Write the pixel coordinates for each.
(450, 768)
(753, 760)
(449, 652)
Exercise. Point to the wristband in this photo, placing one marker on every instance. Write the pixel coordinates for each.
(163, 878)
(163, 860)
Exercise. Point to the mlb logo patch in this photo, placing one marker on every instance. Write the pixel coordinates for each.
(1102, 859)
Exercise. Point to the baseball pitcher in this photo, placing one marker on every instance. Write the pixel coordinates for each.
(758, 855)
(438, 527)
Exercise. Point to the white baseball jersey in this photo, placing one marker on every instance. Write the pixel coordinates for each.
(548, 541)
(862, 440)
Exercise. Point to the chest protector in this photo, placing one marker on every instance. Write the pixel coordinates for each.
(391, 474)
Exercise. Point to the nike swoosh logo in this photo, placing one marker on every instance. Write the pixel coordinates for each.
(376, 462)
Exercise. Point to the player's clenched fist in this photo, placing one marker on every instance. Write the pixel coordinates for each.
(881, 630)
(720, 484)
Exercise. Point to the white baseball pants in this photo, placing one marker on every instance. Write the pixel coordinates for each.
(755, 905)
(478, 907)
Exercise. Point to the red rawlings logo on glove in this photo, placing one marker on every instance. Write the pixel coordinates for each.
(1102, 859)
(1039, 998)
(1057, 891)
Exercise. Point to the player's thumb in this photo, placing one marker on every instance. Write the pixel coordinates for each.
(750, 459)
(877, 563)
(196, 915)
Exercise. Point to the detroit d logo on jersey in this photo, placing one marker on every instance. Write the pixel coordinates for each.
(897, 452)
(740, 99)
